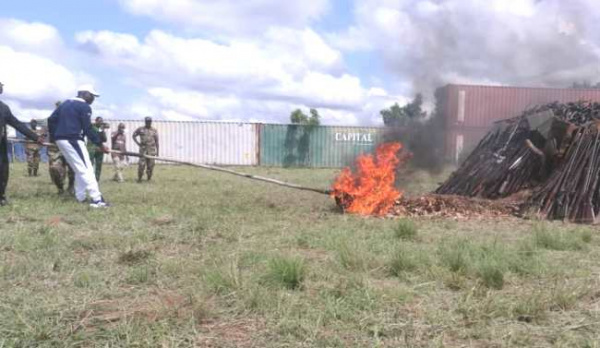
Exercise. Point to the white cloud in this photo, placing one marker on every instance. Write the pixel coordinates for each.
(204, 79)
(231, 16)
(34, 80)
(185, 105)
(30, 37)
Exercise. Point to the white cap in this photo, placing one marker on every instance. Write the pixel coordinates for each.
(88, 88)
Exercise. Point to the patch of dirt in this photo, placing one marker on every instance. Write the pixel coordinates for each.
(54, 221)
(151, 308)
(163, 221)
(239, 333)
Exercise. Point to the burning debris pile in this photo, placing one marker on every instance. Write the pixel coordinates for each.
(371, 190)
(545, 162)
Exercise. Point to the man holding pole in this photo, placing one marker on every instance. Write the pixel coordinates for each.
(7, 118)
(68, 125)
(59, 168)
(148, 144)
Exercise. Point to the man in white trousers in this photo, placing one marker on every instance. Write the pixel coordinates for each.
(68, 125)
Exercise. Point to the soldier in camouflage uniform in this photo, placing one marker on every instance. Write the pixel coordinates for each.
(59, 170)
(148, 144)
(119, 143)
(32, 150)
(95, 153)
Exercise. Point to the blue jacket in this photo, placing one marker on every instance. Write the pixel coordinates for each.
(72, 120)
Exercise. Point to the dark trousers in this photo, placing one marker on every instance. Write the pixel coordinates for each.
(4, 166)
(97, 157)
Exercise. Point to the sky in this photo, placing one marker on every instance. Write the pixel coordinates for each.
(258, 60)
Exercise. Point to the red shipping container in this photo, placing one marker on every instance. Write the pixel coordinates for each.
(470, 111)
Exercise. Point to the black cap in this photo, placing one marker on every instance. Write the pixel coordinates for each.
(148, 118)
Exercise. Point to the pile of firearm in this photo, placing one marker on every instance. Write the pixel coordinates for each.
(553, 149)
(572, 192)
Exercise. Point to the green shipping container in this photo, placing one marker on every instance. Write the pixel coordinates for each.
(315, 146)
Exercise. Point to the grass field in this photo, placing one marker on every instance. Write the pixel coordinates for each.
(204, 259)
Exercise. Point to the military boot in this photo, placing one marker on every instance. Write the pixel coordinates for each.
(29, 171)
(35, 172)
(71, 189)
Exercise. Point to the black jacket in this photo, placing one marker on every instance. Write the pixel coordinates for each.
(7, 118)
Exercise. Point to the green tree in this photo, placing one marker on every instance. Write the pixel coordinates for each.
(314, 119)
(398, 116)
(299, 117)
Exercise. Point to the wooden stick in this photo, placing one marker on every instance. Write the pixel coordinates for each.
(204, 166)
(233, 172)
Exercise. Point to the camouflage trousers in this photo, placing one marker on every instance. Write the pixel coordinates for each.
(60, 170)
(146, 164)
(33, 159)
(119, 164)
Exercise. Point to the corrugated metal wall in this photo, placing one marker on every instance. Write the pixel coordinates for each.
(309, 146)
(470, 111)
(255, 144)
(200, 142)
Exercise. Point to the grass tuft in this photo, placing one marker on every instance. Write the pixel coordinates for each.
(559, 240)
(455, 255)
(288, 272)
(406, 259)
(406, 229)
(224, 279)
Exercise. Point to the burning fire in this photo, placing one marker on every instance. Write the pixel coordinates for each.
(371, 190)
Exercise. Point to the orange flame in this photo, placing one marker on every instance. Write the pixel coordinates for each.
(371, 190)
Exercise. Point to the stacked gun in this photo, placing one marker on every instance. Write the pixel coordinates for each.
(552, 149)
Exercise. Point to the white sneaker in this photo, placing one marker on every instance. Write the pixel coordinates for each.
(99, 204)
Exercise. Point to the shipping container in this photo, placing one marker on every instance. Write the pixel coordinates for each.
(470, 111)
(219, 143)
(315, 146)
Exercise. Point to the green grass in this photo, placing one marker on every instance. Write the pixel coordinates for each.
(204, 259)
(406, 229)
(288, 272)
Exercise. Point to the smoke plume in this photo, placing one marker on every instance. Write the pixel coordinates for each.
(544, 43)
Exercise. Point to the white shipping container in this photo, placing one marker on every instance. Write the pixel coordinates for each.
(218, 143)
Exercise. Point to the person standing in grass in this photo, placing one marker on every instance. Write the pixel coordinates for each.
(148, 144)
(119, 143)
(68, 125)
(7, 118)
(33, 150)
(59, 168)
(95, 152)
